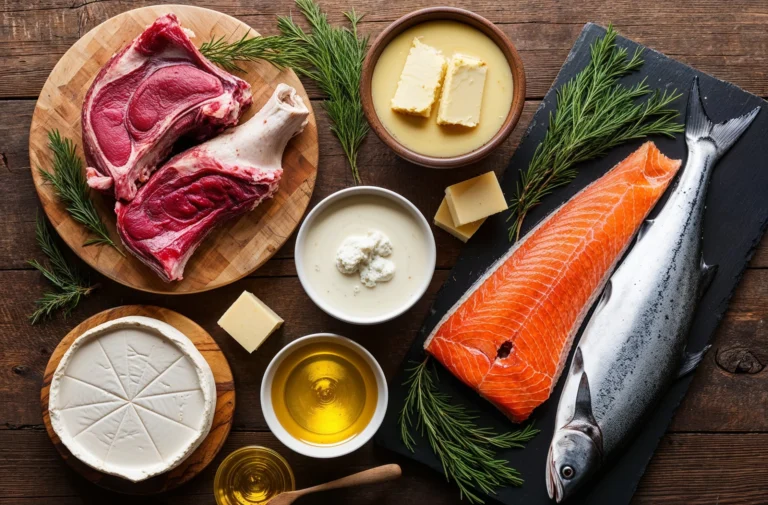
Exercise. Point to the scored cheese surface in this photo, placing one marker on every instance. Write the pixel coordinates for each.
(132, 397)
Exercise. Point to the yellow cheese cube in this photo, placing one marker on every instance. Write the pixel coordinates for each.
(444, 221)
(462, 92)
(250, 321)
(420, 80)
(475, 199)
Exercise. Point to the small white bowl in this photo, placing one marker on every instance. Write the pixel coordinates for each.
(356, 191)
(323, 451)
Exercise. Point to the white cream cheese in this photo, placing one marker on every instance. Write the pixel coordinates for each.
(132, 397)
(356, 215)
(366, 255)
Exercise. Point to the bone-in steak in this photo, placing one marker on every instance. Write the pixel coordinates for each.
(157, 89)
(209, 184)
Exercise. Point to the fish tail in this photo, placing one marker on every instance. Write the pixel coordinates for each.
(699, 126)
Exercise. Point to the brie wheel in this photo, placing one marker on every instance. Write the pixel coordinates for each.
(132, 397)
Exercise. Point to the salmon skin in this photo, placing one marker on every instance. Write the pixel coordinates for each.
(634, 346)
(509, 336)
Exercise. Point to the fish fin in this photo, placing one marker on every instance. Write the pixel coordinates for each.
(583, 419)
(698, 126)
(691, 361)
(578, 362)
(644, 228)
(582, 410)
(607, 291)
(708, 273)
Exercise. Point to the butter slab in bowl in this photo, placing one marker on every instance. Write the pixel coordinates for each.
(476, 104)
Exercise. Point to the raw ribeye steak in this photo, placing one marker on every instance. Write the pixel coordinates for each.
(157, 89)
(209, 184)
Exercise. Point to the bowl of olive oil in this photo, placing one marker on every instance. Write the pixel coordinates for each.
(324, 395)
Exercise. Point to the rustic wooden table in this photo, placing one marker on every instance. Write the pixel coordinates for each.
(716, 450)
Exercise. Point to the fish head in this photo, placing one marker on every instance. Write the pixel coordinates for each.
(573, 458)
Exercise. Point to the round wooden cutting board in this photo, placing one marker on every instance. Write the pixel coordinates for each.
(222, 419)
(234, 249)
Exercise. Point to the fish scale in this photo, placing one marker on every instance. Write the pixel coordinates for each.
(633, 347)
(530, 303)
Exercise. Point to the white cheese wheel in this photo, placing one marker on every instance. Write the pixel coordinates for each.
(132, 397)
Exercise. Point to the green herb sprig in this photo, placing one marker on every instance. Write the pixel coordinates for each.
(330, 56)
(275, 49)
(466, 451)
(68, 181)
(69, 285)
(334, 60)
(594, 113)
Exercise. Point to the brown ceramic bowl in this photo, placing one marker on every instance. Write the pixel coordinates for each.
(443, 14)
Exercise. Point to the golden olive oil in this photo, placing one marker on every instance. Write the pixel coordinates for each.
(324, 393)
(252, 476)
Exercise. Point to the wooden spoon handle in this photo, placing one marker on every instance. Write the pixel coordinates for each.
(371, 476)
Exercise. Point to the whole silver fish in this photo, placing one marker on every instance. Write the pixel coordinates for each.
(633, 347)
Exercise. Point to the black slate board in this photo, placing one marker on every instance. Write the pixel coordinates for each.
(736, 217)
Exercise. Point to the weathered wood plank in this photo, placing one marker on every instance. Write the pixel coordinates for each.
(30, 453)
(719, 400)
(689, 469)
(729, 391)
(19, 203)
(698, 469)
(731, 46)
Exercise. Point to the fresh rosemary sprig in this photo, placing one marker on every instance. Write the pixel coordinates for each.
(333, 58)
(466, 451)
(594, 113)
(275, 49)
(69, 285)
(69, 184)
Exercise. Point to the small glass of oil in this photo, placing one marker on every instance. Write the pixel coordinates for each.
(252, 475)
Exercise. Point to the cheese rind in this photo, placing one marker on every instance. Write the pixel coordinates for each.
(444, 221)
(250, 321)
(475, 199)
(96, 399)
(419, 84)
(462, 93)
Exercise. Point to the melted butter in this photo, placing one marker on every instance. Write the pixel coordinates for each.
(324, 393)
(424, 135)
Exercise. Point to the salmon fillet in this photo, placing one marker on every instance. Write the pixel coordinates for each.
(508, 337)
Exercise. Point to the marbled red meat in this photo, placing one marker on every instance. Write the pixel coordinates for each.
(209, 184)
(156, 90)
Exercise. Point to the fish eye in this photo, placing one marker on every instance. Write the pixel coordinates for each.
(567, 472)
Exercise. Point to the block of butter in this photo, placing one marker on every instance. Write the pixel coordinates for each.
(444, 221)
(419, 84)
(462, 93)
(475, 199)
(250, 321)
